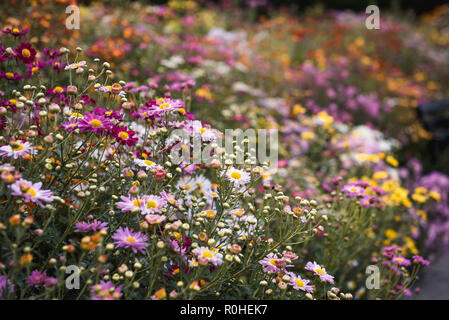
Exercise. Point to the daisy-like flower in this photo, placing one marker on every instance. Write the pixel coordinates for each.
(152, 204)
(238, 177)
(205, 132)
(352, 190)
(299, 283)
(106, 291)
(164, 105)
(90, 226)
(94, 123)
(17, 149)
(399, 260)
(14, 76)
(76, 65)
(124, 136)
(31, 192)
(210, 255)
(26, 53)
(170, 198)
(273, 264)
(145, 163)
(130, 204)
(127, 238)
(238, 213)
(16, 32)
(154, 218)
(319, 271)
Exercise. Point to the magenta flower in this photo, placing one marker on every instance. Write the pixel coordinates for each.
(25, 53)
(124, 136)
(106, 291)
(399, 260)
(127, 238)
(31, 192)
(420, 260)
(90, 226)
(37, 278)
(95, 123)
(5, 284)
(16, 32)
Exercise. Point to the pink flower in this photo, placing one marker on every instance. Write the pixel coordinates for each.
(399, 260)
(319, 271)
(299, 284)
(32, 192)
(154, 218)
(273, 264)
(127, 238)
(17, 149)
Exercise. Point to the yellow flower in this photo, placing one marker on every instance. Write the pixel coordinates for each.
(392, 161)
(435, 195)
(391, 234)
(307, 135)
(380, 175)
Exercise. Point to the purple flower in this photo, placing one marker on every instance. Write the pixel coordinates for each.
(5, 284)
(90, 226)
(127, 238)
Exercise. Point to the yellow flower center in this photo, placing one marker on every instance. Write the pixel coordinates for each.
(236, 175)
(136, 203)
(152, 204)
(17, 148)
(148, 162)
(202, 130)
(124, 135)
(9, 75)
(273, 262)
(26, 53)
(164, 106)
(32, 192)
(57, 89)
(16, 30)
(130, 240)
(207, 254)
(299, 283)
(320, 271)
(96, 123)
